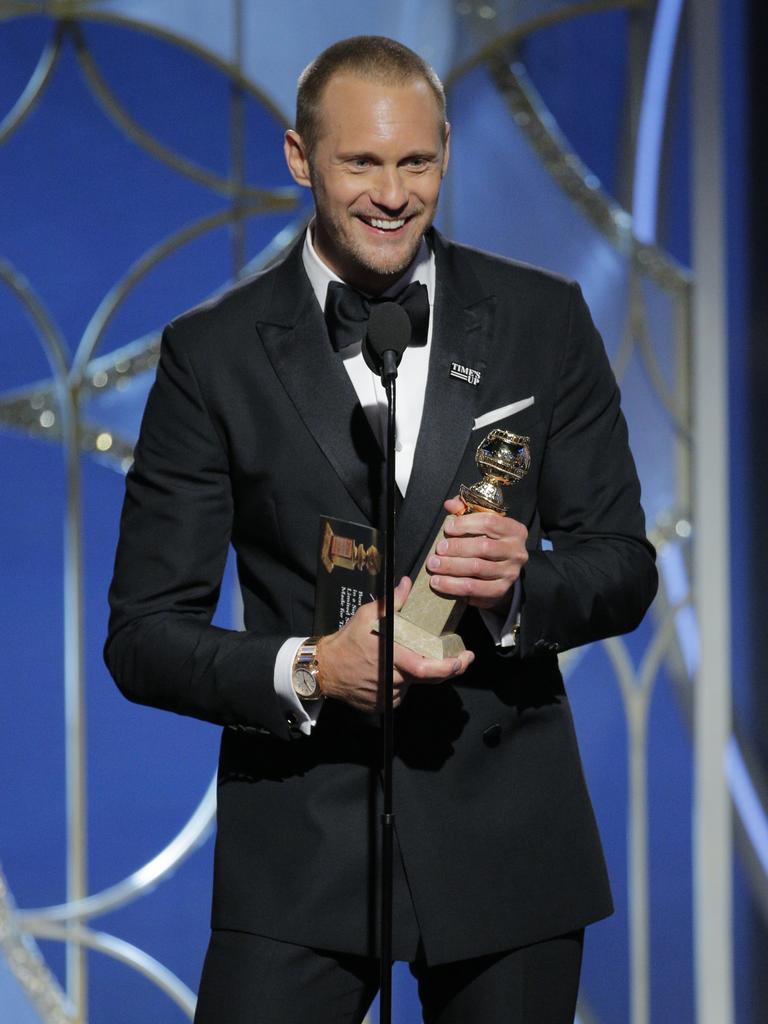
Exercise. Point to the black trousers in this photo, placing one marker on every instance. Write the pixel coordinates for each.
(250, 979)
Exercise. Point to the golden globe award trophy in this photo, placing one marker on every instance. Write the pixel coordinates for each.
(426, 621)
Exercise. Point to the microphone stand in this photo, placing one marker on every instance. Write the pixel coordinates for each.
(388, 335)
(388, 816)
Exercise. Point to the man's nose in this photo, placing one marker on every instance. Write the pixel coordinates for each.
(389, 189)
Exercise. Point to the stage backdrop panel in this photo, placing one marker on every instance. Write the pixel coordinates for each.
(142, 172)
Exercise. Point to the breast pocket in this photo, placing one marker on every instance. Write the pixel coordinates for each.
(488, 420)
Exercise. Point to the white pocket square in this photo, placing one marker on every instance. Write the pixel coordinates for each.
(500, 414)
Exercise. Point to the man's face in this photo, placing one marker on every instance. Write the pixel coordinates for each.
(375, 175)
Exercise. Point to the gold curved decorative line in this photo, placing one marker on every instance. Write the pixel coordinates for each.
(541, 21)
(668, 398)
(566, 168)
(50, 336)
(20, 415)
(140, 355)
(27, 964)
(626, 347)
(633, 684)
(139, 883)
(269, 199)
(108, 306)
(20, 409)
(68, 10)
(623, 670)
(637, 690)
(125, 362)
(636, 335)
(572, 175)
(124, 952)
(10, 10)
(137, 352)
(34, 89)
(654, 655)
(229, 68)
(561, 163)
(661, 268)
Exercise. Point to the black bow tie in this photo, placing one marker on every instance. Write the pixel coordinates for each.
(347, 312)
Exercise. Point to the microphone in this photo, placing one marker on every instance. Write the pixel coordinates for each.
(388, 336)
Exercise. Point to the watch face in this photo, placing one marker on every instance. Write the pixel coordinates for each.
(304, 682)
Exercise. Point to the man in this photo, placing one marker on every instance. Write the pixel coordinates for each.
(255, 428)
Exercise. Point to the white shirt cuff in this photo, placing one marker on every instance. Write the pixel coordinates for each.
(301, 717)
(502, 628)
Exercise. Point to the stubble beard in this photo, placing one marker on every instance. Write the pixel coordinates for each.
(353, 254)
(356, 255)
(387, 265)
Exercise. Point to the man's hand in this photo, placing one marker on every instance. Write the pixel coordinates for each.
(480, 557)
(350, 660)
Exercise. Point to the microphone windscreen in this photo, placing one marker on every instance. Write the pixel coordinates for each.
(389, 330)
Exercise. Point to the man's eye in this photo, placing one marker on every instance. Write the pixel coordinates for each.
(360, 162)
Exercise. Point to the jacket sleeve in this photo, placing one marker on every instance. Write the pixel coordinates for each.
(174, 534)
(600, 577)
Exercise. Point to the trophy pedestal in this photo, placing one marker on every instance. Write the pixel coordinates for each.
(426, 621)
(415, 638)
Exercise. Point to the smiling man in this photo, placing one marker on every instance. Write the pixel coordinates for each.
(374, 154)
(264, 418)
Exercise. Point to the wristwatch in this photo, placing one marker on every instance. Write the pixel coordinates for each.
(305, 674)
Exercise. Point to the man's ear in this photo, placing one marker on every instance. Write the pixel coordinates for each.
(296, 158)
(446, 148)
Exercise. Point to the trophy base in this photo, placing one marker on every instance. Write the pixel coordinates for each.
(415, 638)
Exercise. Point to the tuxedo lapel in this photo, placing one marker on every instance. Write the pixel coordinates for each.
(463, 324)
(295, 339)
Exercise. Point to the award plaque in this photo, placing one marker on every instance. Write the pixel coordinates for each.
(427, 619)
(341, 552)
(348, 572)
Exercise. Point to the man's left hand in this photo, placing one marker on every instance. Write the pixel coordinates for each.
(480, 556)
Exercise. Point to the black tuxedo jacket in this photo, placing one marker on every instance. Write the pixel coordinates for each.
(252, 431)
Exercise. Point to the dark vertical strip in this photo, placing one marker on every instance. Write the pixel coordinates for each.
(237, 131)
(748, 157)
(757, 333)
(388, 815)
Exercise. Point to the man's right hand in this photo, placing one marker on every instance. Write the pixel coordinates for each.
(350, 667)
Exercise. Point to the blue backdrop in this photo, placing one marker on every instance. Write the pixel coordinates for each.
(146, 173)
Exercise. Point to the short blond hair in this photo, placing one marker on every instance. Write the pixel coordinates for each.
(376, 58)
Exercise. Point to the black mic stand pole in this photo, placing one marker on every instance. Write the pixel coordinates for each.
(388, 816)
(389, 332)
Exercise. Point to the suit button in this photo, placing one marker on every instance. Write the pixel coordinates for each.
(554, 647)
(492, 735)
(540, 645)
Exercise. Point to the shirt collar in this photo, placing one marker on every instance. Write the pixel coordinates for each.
(422, 269)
